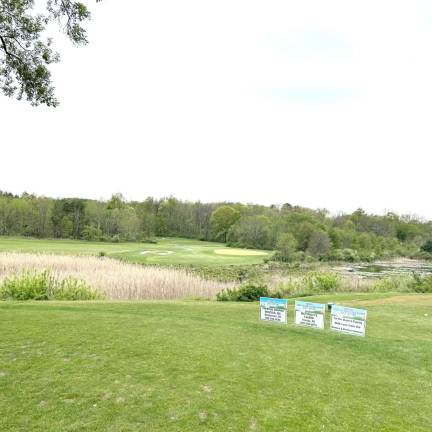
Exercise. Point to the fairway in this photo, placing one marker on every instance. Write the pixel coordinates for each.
(167, 251)
(212, 366)
(240, 252)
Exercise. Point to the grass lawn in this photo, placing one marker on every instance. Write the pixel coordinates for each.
(211, 366)
(168, 251)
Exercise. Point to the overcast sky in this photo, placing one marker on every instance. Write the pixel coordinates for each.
(315, 103)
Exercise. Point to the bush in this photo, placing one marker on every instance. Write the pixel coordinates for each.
(367, 256)
(27, 286)
(421, 255)
(427, 246)
(91, 233)
(421, 284)
(347, 254)
(393, 284)
(31, 285)
(74, 289)
(246, 293)
(321, 282)
(286, 246)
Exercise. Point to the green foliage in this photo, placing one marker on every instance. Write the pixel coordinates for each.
(322, 282)
(91, 233)
(32, 285)
(417, 283)
(246, 293)
(319, 244)
(222, 219)
(285, 247)
(348, 255)
(25, 57)
(73, 289)
(251, 232)
(295, 233)
(307, 284)
(29, 285)
(427, 246)
(421, 283)
(393, 284)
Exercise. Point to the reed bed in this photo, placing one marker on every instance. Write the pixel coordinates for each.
(115, 279)
(305, 282)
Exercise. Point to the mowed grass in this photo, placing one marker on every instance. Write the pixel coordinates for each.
(211, 366)
(167, 251)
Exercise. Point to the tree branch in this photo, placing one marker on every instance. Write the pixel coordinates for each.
(5, 49)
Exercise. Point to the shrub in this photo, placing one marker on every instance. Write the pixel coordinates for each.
(319, 244)
(27, 286)
(286, 289)
(392, 284)
(32, 285)
(367, 256)
(421, 284)
(427, 246)
(347, 254)
(91, 233)
(321, 282)
(286, 246)
(246, 293)
(421, 255)
(74, 289)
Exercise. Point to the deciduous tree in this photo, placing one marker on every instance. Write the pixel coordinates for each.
(25, 51)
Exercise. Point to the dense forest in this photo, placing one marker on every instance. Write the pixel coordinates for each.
(294, 232)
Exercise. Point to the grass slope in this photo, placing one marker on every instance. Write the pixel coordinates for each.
(206, 366)
(168, 251)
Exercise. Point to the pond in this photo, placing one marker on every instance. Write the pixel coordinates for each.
(387, 268)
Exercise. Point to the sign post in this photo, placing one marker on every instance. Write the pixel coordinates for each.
(272, 309)
(348, 320)
(309, 314)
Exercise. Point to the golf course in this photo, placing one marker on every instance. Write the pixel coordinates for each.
(212, 366)
(214, 216)
(167, 251)
(151, 350)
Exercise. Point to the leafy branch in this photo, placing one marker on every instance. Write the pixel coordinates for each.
(24, 54)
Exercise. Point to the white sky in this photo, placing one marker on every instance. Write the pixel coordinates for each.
(315, 103)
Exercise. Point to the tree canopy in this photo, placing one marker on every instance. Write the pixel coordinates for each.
(296, 233)
(25, 51)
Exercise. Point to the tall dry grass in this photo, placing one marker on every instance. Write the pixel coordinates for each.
(115, 279)
(299, 283)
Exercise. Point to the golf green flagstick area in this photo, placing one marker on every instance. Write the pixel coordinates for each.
(213, 366)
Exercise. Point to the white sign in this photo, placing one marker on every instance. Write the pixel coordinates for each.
(348, 320)
(272, 309)
(310, 314)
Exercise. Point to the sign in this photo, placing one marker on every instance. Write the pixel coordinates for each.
(272, 309)
(348, 320)
(309, 314)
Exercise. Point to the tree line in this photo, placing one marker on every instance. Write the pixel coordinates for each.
(294, 232)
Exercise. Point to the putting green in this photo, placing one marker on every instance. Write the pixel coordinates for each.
(239, 252)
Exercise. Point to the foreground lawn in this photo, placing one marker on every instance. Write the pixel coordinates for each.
(168, 251)
(207, 366)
